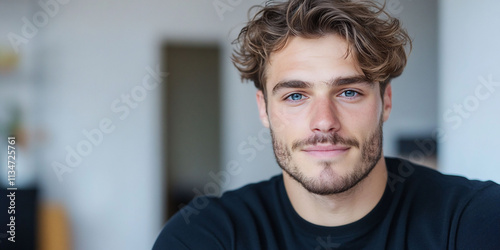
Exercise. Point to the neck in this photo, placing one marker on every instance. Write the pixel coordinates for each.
(338, 209)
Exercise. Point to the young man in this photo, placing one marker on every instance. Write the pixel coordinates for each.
(323, 70)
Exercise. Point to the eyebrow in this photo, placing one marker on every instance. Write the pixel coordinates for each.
(338, 81)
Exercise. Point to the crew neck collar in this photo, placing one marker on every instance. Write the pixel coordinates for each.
(351, 230)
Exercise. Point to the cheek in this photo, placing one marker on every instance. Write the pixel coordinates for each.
(359, 121)
(289, 113)
(363, 116)
(288, 125)
(281, 115)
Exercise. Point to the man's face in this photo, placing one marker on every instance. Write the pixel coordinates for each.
(325, 118)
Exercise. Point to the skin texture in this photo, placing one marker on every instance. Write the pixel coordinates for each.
(326, 123)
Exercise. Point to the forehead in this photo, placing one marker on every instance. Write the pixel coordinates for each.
(311, 60)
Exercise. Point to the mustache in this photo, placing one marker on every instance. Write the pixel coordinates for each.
(333, 139)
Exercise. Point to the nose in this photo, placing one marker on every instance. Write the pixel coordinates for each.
(324, 116)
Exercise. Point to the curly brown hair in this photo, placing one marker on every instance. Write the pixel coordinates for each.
(376, 39)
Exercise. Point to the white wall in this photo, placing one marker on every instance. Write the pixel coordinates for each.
(469, 56)
(414, 111)
(94, 52)
(246, 143)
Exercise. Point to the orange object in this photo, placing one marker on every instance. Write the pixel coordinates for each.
(54, 232)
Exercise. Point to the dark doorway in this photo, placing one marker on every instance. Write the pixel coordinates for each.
(191, 115)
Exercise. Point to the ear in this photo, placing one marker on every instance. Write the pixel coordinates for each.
(387, 102)
(261, 104)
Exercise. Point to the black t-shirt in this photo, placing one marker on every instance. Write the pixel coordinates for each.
(420, 209)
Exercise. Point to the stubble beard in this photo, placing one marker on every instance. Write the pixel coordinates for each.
(329, 182)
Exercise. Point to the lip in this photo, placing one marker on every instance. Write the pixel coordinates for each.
(325, 150)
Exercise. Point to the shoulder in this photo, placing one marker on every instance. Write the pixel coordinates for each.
(210, 222)
(200, 224)
(469, 209)
(420, 179)
(479, 223)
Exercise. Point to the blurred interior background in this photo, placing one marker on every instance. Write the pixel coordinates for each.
(125, 110)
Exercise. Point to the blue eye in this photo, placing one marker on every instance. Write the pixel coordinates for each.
(295, 97)
(349, 93)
